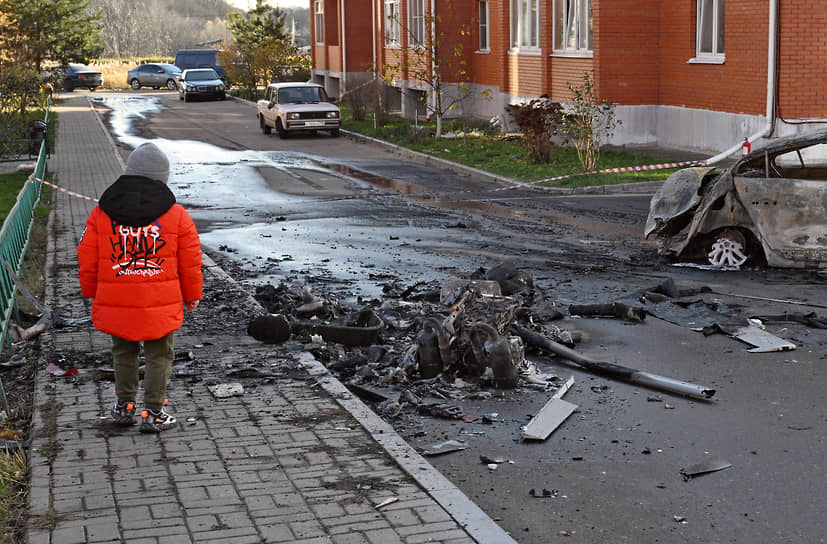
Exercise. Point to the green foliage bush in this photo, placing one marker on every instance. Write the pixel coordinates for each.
(19, 89)
(589, 121)
(538, 120)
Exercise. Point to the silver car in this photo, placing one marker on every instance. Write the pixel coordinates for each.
(770, 207)
(155, 75)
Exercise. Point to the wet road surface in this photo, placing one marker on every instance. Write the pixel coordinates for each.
(287, 209)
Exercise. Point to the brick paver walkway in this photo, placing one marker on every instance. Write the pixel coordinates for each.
(295, 459)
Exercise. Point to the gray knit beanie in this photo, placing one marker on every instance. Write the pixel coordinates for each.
(149, 161)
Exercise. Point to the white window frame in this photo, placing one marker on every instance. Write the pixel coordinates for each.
(711, 17)
(391, 15)
(573, 28)
(318, 20)
(484, 41)
(416, 22)
(525, 26)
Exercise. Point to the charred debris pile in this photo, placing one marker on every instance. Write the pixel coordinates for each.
(445, 342)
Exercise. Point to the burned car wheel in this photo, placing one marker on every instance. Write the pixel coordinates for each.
(733, 247)
(728, 249)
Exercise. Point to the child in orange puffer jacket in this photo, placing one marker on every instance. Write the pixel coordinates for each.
(140, 262)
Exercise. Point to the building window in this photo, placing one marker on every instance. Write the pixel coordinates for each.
(710, 30)
(318, 20)
(392, 22)
(417, 23)
(573, 26)
(482, 14)
(525, 24)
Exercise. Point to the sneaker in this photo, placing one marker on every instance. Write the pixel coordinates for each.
(123, 413)
(155, 422)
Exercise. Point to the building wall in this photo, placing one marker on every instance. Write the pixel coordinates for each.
(524, 75)
(643, 61)
(626, 46)
(565, 71)
(737, 86)
(802, 59)
(359, 28)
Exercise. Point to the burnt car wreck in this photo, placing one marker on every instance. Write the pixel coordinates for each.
(769, 208)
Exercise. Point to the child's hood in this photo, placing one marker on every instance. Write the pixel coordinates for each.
(136, 201)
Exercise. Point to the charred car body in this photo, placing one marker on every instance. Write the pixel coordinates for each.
(770, 207)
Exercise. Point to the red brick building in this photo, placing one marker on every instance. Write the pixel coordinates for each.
(699, 74)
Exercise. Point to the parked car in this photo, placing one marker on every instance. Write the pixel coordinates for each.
(187, 59)
(297, 107)
(770, 207)
(80, 75)
(155, 75)
(200, 83)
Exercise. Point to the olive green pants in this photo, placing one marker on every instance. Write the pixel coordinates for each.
(158, 354)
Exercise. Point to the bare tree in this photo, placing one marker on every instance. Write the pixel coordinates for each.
(434, 58)
(155, 27)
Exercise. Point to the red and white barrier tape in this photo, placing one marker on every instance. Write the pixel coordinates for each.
(67, 191)
(641, 168)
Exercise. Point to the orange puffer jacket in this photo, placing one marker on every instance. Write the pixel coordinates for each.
(140, 259)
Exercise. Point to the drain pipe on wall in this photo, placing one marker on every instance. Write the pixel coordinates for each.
(343, 39)
(374, 68)
(772, 50)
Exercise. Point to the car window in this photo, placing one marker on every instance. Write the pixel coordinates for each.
(145, 68)
(814, 156)
(201, 75)
(78, 68)
(299, 94)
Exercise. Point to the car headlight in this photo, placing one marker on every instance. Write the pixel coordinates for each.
(333, 115)
(293, 116)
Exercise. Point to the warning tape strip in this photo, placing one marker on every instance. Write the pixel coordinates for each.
(642, 168)
(620, 170)
(63, 190)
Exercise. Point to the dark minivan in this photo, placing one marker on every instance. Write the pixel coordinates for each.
(187, 59)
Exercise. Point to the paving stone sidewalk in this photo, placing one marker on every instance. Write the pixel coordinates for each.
(295, 459)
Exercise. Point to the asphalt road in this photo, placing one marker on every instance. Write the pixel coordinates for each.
(613, 468)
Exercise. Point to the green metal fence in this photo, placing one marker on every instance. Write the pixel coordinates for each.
(14, 239)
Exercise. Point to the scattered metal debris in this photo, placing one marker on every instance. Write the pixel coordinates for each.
(448, 446)
(616, 371)
(386, 502)
(763, 341)
(615, 309)
(550, 416)
(544, 494)
(705, 467)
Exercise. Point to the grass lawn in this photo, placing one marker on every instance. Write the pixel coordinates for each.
(12, 492)
(504, 155)
(10, 186)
